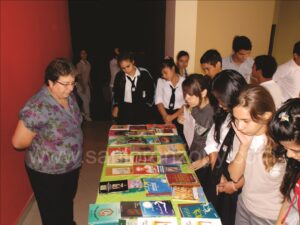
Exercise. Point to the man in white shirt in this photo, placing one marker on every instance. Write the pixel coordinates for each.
(240, 60)
(262, 72)
(287, 75)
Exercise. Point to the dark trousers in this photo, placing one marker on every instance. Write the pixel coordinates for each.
(54, 194)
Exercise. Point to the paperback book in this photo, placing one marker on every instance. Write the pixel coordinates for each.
(117, 141)
(189, 194)
(118, 170)
(164, 169)
(118, 151)
(120, 160)
(157, 208)
(170, 139)
(157, 221)
(157, 186)
(173, 159)
(114, 133)
(119, 127)
(183, 179)
(131, 209)
(113, 186)
(142, 148)
(198, 210)
(138, 127)
(141, 133)
(145, 159)
(169, 149)
(145, 169)
(109, 213)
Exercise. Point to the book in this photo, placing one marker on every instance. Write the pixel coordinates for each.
(198, 210)
(118, 170)
(118, 151)
(189, 193)
(182, 179)
(119, 127)
(170, 139)
(136, 140)
(141, 133)
(113, 133)
(135, 185)
(173, 159)
(128, 221)
(131, 209)
(200, 221)
(117, 141)
(157, 208)
(157, 221)
(137, 127)
(145, 159)
(164, 169)
(120, 160)
(169, 149)
(145, 169)
(157, 186)
(165, 129)
(142, 148)
(152, 140)
(113, 186)
(109, 213)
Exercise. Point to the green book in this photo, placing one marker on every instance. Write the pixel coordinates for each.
(109, 213)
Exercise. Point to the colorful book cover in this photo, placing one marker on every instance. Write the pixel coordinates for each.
(173, 159)
(128, 221)
(189, 193)
(117, 151)
(198, 210)
(170, 139)
(145, 169)
(131, 209)
(138, 127)
(157, 186)
(157, 221)
(157, 208)
(117, 141)
(182, 179)
(135, 185)
(165, 131)
(113, 186)
(119, 127)
(152, 140)
(164, 169)
(115, 133)
(104, 213)
(136, 140)
(169, 149)
(120, 160)
(118, 170)
(142, 148)
(145, 159)
(200, 221)
(141, 133)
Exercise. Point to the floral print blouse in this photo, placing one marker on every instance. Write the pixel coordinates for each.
(57, 147)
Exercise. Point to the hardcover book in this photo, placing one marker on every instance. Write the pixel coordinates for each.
(189, 193)
(118, 170)
(113, 186)
(145, 169)
(182, 179)
(131, 209)
(157, 186)
(198, 210)
(157, 208)
(109, 213)
(173, 159)
(164, 169)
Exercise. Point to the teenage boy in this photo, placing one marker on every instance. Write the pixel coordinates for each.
(211, 63)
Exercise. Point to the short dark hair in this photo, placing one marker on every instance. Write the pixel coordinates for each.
(296, 49)
(125, 56)
(182, 53)
(241, 43)
(267, 64)
(59, 67)
(212, 57)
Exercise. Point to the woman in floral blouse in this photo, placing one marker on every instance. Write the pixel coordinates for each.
(49, 128)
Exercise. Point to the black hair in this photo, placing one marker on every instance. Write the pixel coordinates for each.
(296, 49)
(182, 53)
(228, 85)
(212, 57)
(285, 126)
(168, 62)
(125, 56)
(241, 43)
(194, 84)
(59, 67)
(267, 64)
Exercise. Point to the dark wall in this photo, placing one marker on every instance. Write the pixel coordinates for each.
(99, 26)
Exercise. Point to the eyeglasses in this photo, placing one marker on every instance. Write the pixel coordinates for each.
(66, 84)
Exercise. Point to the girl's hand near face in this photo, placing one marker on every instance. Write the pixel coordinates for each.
(243, 138)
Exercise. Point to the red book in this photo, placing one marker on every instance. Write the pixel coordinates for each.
(145, 169)
(145, 159)
(114, 151)
(182, 179)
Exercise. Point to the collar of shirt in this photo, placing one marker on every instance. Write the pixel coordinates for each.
(178, 82)
(136, 74)
(258, 143)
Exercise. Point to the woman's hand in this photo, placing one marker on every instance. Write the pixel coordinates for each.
(115, 112)
(225, 186)
(199, 163)
(168, 119)
(244, 139)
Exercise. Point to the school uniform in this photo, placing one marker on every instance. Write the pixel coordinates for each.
(172, 99)
(134, 96)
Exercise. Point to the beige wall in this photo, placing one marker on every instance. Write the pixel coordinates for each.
(219, 21)
(170, 28)
(287, 30)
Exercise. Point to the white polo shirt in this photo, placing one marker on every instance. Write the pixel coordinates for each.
(287, 76)
(163, 93)
(275, 91)
(244, 69)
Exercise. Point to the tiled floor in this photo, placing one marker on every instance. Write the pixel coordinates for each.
(95, 138)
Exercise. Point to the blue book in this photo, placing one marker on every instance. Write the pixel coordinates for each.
(109, 213)
(198, 211)
(157, 186)
(157, 208)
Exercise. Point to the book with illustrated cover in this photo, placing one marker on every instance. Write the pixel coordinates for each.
(142, 148)
(173, 159)
(152, 140)
(157, 186)
(113, 186)
(182, 179)
(189, 193)
(136, 140)
(169, 149)
(138, 128)
(164, 169)
(141, 133)
(198, 210)
(128, 221)
(120, 160)
(145, 169)
(114, 133)
(119, 127)
(157, 208)
(131, 209)
(135, 185)
(165, 129)
(145, 159)
(157, 221)
(109, 213)
(118, 151)
(200, 221)
(117, 141)
(170, 139)
(118, 170)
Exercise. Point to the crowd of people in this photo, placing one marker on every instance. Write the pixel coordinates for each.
(240, 121)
